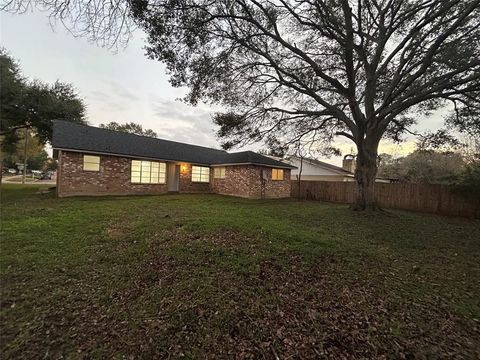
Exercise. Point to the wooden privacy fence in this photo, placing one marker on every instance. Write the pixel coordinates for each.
(431, 198)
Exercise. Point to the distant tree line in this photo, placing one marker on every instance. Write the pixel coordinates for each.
(37, 157)
(130, 128)
(422, 166)
(461, 171)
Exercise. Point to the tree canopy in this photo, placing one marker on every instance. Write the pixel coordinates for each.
(423, 166)
(129, 127)
(33, 104)
(308, 71)
(467, 183)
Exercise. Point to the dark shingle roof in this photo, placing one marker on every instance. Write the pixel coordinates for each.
(67, 135)
(254, 158)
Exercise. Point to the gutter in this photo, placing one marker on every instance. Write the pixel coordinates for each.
(172, 160)
(127, 156)
(258, 164)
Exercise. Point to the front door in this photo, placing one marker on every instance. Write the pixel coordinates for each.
(173, 176)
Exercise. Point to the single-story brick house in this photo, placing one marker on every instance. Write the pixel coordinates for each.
(96, 161)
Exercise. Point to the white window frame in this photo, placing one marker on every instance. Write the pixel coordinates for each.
(219, 172)
(148, 172)
(92, 161)
(276, 175)
(200, 174)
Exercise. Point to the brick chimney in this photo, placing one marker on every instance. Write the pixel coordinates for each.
(349, 163)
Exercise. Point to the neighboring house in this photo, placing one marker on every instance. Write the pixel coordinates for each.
(316, 170)
(95, 161)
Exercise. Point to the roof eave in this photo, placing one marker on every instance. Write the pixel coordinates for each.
(169, 160)
(257, 164)
(328, 166)
(129, 156)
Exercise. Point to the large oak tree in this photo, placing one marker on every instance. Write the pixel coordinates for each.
(311, 70)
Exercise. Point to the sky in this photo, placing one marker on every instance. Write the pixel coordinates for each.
(124, 85)
(117, 86)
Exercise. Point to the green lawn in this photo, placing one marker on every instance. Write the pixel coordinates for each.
(207, 276)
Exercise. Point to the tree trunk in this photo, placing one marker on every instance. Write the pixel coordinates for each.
(365, 173)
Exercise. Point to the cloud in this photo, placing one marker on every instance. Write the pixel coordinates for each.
(120, 91)
(170, 119)
(180, 122)
(98, 100)
(98, 95)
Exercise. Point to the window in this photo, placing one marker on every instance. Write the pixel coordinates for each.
(147, 172)
(219, 172)
(91, 163)
(277, 174)
(200, 174)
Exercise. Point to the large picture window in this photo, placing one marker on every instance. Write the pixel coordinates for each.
(200, 174)
(277, 174)
(219, 172)
(91, 163)
(147, 172)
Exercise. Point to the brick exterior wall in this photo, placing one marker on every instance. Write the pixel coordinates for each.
(246, 181)
(114, 179)
(237, 181)
(187, 186)
(273, 188)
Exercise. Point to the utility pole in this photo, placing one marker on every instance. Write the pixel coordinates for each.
(25, 156)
